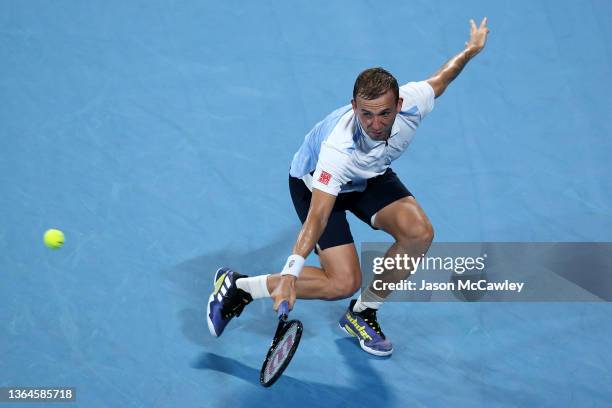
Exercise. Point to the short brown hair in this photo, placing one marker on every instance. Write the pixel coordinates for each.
(374, 82)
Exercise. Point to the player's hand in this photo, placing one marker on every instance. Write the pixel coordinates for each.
(285, 290)
(478, 36)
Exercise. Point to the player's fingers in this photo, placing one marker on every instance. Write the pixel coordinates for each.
(483, 23)
(472, 25)
(291, 301)
(277, 302)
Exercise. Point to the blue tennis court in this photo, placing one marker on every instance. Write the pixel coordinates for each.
(158, 136)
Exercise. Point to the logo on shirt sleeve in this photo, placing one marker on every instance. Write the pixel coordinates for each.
(324, 177)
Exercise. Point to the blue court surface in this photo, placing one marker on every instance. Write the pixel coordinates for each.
(158, 135)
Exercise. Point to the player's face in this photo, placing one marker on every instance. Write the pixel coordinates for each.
(377, 115)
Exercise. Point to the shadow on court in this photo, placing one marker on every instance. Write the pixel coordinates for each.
(368, 386)
(194, 277)
(192, 283)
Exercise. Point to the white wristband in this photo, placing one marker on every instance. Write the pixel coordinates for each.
(294, 265)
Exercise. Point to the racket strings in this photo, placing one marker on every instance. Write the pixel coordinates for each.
(282, 351)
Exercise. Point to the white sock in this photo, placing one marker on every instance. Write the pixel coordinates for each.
(256, 286)
(372, 301)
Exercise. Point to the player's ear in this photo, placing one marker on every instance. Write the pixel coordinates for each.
(354, 104)
(400, 102)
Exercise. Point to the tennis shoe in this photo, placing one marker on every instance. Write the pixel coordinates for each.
(365, 327)
(226, 301)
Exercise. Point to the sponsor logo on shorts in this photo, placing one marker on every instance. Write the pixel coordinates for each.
(325, 177)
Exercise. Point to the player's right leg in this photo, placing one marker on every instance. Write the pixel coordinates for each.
(226, 301)
(338, 277)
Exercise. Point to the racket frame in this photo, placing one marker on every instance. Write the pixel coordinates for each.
(282, 328)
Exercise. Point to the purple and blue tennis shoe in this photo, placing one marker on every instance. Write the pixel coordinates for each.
(226, 301)
(365, 327)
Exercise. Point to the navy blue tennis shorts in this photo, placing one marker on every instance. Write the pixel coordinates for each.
(380, 192)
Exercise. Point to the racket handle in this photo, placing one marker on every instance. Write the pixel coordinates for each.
(283, 309)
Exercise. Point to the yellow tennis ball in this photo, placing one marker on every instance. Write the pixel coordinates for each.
(54, 238)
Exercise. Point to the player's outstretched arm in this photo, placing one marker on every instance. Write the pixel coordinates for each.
(321, 206)
(449, 71)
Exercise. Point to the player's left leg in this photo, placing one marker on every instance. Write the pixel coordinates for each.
(386, 204)
(408, 224)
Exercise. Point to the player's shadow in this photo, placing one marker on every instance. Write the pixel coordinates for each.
(192, 282)
(367, 386)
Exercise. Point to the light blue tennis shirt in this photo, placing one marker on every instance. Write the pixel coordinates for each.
(342, 154)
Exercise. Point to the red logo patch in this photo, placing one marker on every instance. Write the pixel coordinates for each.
(325, 177)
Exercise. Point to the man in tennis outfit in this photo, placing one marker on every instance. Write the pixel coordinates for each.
(344, 165)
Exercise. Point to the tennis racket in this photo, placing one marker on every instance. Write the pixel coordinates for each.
(285, 342)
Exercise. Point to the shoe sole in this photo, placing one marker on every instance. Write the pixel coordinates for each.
(366, 348)
(211, 326)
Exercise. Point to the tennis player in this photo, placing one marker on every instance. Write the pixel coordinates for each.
(344, 165)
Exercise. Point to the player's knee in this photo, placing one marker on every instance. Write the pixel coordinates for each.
(346, 286)
(419, 231)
